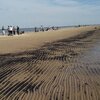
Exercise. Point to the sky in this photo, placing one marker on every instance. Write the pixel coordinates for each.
(34, 13)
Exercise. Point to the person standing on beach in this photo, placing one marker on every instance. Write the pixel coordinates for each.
(42, 29)
(8, 30)
(13, 30)
(35, 29)
(17, 30)
(3, 30)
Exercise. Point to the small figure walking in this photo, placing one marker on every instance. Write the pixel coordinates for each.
(17, 30)
(3, 30)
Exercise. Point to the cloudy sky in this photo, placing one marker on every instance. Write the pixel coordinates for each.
(31, 13)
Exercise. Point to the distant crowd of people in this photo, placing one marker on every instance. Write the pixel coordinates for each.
(45, 28)
(11, 30)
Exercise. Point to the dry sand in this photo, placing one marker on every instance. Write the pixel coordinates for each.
(67, 69)
(9, 44)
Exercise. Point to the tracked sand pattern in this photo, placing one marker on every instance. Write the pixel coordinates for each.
(68, 69)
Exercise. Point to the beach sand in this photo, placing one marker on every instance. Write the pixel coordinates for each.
(10, 44)
(57, 68)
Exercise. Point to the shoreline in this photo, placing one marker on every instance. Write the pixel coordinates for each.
(32, 40)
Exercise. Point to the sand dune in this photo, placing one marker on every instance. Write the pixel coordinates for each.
(9, 44)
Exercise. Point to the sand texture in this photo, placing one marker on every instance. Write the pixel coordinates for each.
(9, 44)
(66, 69)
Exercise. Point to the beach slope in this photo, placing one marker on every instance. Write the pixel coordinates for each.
(28, 41)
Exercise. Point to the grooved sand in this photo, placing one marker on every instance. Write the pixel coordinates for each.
(68, 69)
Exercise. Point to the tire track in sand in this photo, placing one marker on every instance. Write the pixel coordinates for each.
(63, 70)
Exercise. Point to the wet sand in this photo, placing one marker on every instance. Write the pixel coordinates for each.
(67, 69)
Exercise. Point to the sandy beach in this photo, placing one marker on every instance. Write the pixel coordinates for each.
(55, 65)
(27, 41)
